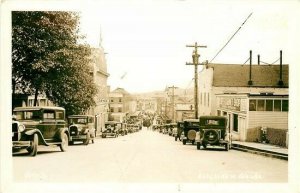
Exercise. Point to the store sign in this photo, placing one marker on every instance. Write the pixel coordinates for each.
(230, 103)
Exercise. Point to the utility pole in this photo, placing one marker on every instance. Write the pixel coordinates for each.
(196, 63)
(173, 102)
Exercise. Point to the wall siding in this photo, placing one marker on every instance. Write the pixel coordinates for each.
(278, 120)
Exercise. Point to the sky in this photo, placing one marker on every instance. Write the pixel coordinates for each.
(146, 40)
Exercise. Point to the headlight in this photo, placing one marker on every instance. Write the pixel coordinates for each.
(21, 128)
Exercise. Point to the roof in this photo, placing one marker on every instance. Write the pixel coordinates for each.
(37, 108)
(75, 116)
(212, 117)
(191, 120)
(236, 75)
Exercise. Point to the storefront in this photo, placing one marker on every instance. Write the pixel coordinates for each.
(245, 111)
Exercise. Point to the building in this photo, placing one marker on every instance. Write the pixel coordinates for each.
(121, 103)
(230, 89)
(100, 76)
(185, 108)
(246, 111)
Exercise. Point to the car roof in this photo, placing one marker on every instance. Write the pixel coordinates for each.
(75, 116)
(38, 108)
(191, 120)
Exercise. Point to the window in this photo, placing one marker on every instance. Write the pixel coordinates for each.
(269, 105)
(235, 123)
(201, 98)
(285, 105)
(208, 99)
(111, 100)
(120, 109)
(60, 115)
(112, 109)
(252, 105)
(48, 114)
(120, 100)
(219, 112)
(204, 99)
(260, 105)
(277, 105)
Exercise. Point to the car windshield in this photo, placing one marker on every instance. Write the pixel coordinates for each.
(109, 126)
(78, 120)
(28, 115)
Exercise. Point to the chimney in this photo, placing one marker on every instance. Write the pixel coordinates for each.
(250, 82)
(258, 59)
(280, 82)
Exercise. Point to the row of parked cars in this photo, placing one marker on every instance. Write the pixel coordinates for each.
(33, 126)
(205, 131)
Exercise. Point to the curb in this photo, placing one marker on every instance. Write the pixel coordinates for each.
(259, 151)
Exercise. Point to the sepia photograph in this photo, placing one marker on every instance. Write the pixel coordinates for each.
(149, 96)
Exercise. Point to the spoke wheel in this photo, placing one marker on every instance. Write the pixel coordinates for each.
(64, 142)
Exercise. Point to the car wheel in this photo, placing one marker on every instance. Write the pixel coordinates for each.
(193, 142)
(175, 138)
(103, 136)
(87, 140)
(184, 141)
(198, 145)
(34, 145)
(64, 142)
(204, 145)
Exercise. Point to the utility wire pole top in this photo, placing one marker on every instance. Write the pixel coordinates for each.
(196, 63)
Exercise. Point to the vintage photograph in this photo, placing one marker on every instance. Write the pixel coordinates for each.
(155, 96)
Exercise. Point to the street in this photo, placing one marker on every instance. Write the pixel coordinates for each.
(145, 156)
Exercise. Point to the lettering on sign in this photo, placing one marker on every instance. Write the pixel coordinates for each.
(230, 103)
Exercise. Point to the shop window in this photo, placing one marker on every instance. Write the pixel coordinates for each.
(285, 105)
(269, 105)
(260, 105)
(201, 98)
(208, 99)
(235, 123)
(252, 105)
(277, 105)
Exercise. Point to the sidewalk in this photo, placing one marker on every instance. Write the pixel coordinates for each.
(261, 149)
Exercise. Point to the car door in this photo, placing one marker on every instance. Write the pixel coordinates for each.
(48, 125)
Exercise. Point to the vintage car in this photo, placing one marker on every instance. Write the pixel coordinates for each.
(35, 126)
(213, 132)
(190, 127)
(122, 128)
(82, 128)
(111, 129)
(178, 131)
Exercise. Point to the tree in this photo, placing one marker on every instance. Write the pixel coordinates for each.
(47, 58)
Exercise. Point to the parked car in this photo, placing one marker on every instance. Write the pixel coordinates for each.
(190, 127)
(213, 132)
(82, 128)
(35, 126)
(178, 131)
(111, 129)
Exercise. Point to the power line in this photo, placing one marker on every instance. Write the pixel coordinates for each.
(276, 61)
(231, 38)
(246, 60)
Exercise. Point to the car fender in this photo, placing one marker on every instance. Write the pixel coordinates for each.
(41, 137)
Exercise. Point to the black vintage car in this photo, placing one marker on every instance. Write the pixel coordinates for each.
(213, 132)
(190, 127)
(111, 129)
(82, 128)
(35, 126)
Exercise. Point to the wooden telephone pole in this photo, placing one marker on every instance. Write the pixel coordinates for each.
(173, 102)
(196, 63)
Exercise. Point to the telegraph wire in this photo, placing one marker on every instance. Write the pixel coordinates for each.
(231, 38)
